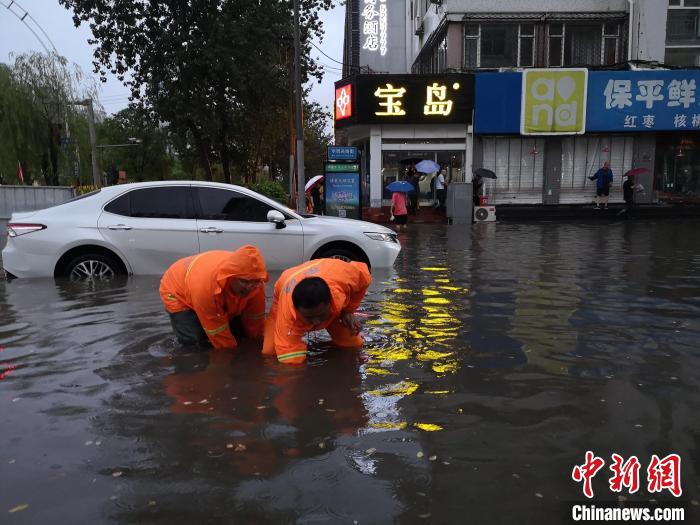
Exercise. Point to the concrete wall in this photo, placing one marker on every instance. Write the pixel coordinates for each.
(649, 30)
(30, 198)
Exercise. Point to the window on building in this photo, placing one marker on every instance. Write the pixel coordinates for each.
(499, 45)
(577, 44)
(683, 57)
(684, 3)
(582, 44)
(682, 26)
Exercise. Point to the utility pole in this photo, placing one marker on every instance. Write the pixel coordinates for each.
(301, 200)
(96, 179)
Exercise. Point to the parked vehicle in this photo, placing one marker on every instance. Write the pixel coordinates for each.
(142, 228)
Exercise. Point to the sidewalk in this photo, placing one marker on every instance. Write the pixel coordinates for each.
(516, 212)
(588, 212)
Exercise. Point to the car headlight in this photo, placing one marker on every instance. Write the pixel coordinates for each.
(377, 236)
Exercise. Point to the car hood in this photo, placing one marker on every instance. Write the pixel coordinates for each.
(335, 222)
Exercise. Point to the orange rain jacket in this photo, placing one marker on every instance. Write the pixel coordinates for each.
(284, 328)
(201, 283)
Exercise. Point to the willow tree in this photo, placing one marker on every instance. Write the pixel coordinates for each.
(37, 110)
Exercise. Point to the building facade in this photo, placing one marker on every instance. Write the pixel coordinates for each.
(620, 44)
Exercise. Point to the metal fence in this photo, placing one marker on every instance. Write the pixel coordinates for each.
(30, 198)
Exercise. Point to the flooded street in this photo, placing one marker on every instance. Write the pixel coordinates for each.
(494, 359)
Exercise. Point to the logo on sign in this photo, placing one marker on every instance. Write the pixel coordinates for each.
(343, 102)
(553, 101)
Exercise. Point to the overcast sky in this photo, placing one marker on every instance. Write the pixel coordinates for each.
(71, 42)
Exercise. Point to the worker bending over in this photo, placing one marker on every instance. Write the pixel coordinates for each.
(323, 293)
(214, 295)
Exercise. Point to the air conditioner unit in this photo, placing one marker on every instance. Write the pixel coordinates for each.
(484, 214)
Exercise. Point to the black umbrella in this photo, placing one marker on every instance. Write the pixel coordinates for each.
(484, 173)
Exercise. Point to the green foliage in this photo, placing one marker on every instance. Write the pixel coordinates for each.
(216, 71)
(272, 189)
(36, 111)
(146, 158)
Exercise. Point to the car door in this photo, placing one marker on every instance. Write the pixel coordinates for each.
(151, 227)
(228, 219)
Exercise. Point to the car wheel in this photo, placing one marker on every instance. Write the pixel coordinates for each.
(344, 254)
(92, 267)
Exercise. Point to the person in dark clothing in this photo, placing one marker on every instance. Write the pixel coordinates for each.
(603, 178)
(477, 184)
(628, 194)
(316, 197)
(413, 179)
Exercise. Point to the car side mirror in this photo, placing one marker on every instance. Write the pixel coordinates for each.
(277, 217)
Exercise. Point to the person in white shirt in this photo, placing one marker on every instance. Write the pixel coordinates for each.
(440, 189)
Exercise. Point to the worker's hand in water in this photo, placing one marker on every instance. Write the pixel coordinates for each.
(348, 319)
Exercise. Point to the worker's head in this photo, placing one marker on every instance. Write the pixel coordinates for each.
(243, 287)
(606, 165)
(312, 300)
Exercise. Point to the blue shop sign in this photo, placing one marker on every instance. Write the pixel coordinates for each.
(342, 153)
(653, 100)
(497, 106)
(617, 101)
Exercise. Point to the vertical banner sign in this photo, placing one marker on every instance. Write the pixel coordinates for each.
(375, 25)
(341, 188)
(554, 102)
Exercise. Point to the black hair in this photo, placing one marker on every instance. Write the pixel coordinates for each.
(310, 293)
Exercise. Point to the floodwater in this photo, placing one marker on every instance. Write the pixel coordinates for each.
(494, 359)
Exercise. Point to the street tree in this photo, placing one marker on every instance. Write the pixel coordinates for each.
(47, 85)
(133, 142)
(217, 71)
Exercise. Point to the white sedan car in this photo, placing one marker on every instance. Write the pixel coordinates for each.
(142, 228)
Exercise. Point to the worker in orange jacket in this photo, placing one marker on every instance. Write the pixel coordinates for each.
(208, 294)
(323, 293)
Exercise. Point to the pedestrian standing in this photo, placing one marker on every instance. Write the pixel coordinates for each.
(603, 178)
(413, 179)
(399, 210)
(628, 194)
(441, 189)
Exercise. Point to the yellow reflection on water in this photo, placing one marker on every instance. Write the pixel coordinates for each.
(427, 427)
(414, 326)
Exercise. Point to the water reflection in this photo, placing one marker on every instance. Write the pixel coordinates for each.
(495, 357)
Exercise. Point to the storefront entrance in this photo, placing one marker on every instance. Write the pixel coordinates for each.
(397, 163)
(677, 174)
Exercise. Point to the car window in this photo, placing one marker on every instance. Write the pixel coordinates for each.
(163, 203)
(119, 206)
(226, 205)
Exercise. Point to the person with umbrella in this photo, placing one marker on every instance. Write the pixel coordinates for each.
(628, 191)
(478, 183)
(313, 190)
(399, 202)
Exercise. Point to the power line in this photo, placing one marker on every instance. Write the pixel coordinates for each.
(325, 55)
(22, 14)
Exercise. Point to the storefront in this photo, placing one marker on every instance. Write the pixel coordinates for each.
(397, 120)
(545, 132)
